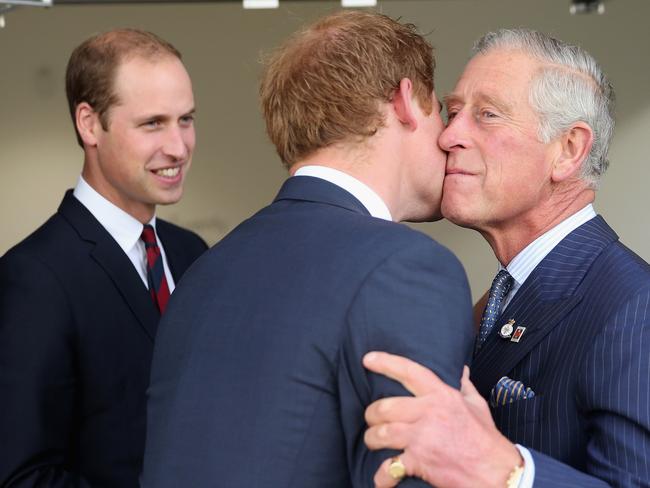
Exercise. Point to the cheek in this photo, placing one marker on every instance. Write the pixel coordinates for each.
(144, 147)
(507, 165)
(190, 140)
(439, 126)
(129, 143)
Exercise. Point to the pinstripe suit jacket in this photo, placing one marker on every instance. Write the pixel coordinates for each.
(586, 354)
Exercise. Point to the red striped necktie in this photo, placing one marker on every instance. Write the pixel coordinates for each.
(155, 271)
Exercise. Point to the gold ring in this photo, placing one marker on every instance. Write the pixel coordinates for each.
(396, 469)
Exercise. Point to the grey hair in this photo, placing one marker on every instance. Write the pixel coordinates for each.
(571, 87)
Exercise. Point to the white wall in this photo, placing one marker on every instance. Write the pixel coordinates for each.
(235, 169)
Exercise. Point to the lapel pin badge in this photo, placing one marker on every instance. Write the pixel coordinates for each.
(506, 330)
(519, 331)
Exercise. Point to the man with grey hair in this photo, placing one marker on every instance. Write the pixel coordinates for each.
(561, 358)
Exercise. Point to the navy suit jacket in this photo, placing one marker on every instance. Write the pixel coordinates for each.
(77, 327)
(257, 378)
(586, 354)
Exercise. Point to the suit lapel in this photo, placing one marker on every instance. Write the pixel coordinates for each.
(548, 295)
(108, 254)
(312, 189)
(499, 356)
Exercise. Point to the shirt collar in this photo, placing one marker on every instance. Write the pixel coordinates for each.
(362, 192)
(527, 260)
(125, 229)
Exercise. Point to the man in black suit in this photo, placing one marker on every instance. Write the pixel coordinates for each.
(81, 297)
(257, 377)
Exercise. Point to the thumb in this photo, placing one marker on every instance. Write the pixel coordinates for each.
(473, 399)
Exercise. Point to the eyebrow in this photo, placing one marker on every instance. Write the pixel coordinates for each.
(162, 116)
(451, 98)
(501, 105)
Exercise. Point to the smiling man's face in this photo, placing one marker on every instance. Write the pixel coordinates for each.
(497, 169)
(146, 150)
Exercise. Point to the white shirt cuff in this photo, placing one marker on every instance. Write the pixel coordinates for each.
(528, 476)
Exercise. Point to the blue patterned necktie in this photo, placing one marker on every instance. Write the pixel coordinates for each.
(500, 288)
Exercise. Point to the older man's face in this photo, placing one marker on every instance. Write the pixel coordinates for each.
(498, 171)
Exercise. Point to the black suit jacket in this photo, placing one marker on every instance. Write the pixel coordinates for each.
(257, 378)
(77, 327)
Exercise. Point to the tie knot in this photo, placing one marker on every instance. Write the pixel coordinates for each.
(148, 236)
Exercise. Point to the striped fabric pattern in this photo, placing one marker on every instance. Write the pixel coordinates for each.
(527, 260)
(158, 287)
(508, 390)
(586, 354)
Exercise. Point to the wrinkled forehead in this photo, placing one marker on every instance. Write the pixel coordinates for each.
(498, 76)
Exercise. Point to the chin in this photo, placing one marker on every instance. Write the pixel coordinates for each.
(454, 215)
(168, 199)
(460, 220)
(431, 215)
(429, 218)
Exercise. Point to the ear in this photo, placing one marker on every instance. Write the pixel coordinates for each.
(88, 123)
(575, 145)
(403, 104)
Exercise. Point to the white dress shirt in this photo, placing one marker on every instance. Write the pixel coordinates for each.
(520, 268)
(122, 227)
(362, 192)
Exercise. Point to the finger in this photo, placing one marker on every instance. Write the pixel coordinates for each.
(388, 436)
(468, 390)
(466, 386)
(473, 399)
(383, 479)
(394, 409)
(414, 377)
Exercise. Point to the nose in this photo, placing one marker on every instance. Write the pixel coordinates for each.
(178, 142)
(454, 136)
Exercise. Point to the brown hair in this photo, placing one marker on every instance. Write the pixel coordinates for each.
(91, 70)
(326, 83)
